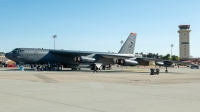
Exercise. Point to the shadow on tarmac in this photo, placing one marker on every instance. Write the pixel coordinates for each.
(90, 71)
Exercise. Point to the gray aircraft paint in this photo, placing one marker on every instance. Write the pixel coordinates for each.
(66, 57)
(129, 45)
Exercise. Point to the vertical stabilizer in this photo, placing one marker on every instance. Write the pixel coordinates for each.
(129, 45)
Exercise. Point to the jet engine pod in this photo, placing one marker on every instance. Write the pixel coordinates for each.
(77, 59)
(122, 61)
(159, 63)
(126, 62)
(119, 61)
(84, 59)
(168, 63)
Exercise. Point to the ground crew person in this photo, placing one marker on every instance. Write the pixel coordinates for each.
(95, 68)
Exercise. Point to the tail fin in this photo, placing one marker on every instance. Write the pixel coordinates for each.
(129, 45)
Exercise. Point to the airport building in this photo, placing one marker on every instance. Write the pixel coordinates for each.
(184, 41)
(3, 59)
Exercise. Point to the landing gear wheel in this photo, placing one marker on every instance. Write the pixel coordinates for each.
(79, 69)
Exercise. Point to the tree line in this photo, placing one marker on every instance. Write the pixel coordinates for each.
(2, 53)
(164, 57)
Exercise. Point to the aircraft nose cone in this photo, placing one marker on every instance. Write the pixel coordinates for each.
(9, 55)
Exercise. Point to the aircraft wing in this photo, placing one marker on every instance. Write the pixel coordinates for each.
(156, 59)
(116, 55)
(69, 53)
(86, 53)
(149, 59)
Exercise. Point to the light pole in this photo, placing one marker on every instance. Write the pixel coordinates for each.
(171, 50)
(55, 36)
(121, 42)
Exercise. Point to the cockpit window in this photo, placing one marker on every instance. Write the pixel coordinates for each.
(17, 50)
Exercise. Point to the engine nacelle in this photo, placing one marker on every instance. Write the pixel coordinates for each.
(159, 63)
(84, 59)
(126, 62)
(168, 63)
(164, 63)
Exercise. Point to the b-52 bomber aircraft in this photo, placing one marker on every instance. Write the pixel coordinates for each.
(75, 59)
(81, 59)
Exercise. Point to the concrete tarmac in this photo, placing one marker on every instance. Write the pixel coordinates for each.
(119, 90)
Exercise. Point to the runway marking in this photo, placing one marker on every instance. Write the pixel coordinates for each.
(46, 79)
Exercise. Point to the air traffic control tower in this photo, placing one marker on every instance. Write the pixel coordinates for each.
(184, 41)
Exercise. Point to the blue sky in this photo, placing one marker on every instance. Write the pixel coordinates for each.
(98, 25)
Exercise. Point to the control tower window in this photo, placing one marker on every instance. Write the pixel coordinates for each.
(184, 42)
